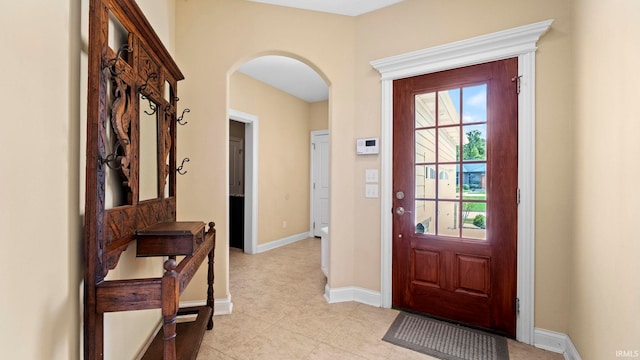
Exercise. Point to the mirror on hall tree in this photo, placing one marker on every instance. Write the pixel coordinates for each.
(148, 149)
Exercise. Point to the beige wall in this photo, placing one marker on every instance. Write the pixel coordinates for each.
(586, 281)
(428, 23)
(283, 148)
(213, 38)
(42, 189)
(319, 117)
(209, 53)
(39, 220)
(605, 291)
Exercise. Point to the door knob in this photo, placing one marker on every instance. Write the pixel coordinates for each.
(400, 210)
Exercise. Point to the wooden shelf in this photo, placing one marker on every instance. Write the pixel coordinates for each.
(170, 238)
(189, 335)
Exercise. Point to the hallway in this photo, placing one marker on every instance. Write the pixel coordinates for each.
(279, 312)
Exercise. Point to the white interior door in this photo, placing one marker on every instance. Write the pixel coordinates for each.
(319, 181)
(236, 166)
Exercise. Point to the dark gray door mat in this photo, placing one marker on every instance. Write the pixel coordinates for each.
(444, 340)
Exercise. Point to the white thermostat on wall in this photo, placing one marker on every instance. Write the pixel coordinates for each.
(367, 146)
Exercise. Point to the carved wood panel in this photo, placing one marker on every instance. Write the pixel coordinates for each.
(122, 223)
(148, 71)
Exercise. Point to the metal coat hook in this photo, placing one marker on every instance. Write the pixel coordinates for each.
(114, 157)
(179, 120)
(111, 64)
(152, 106)
(176, 99)
(146, 82)
(142, 88)
(179, 169)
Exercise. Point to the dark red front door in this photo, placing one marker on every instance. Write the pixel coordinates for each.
(455, 195)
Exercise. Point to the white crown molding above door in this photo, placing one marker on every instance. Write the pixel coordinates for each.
(518, 42)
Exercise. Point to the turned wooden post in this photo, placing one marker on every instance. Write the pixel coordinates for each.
(170, 295)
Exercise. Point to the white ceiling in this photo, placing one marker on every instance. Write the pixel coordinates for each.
(293, 76)
(289, 75)
(341, 7)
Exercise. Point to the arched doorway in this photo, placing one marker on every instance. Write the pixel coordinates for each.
(256, 90)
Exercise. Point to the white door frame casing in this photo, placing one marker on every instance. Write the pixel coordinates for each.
(518, 42)
(251, 178)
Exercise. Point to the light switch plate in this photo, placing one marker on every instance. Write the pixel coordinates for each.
(371, 191)
(371, 175)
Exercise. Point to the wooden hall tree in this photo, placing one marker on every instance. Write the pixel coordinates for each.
(131, 184)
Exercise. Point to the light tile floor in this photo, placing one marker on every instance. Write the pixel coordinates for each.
(279, 313)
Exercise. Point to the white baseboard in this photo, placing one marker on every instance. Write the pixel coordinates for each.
(223, 306)
(220, 306)
(352, 293)
(282, 242)
(571, 353)
(556, 342)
